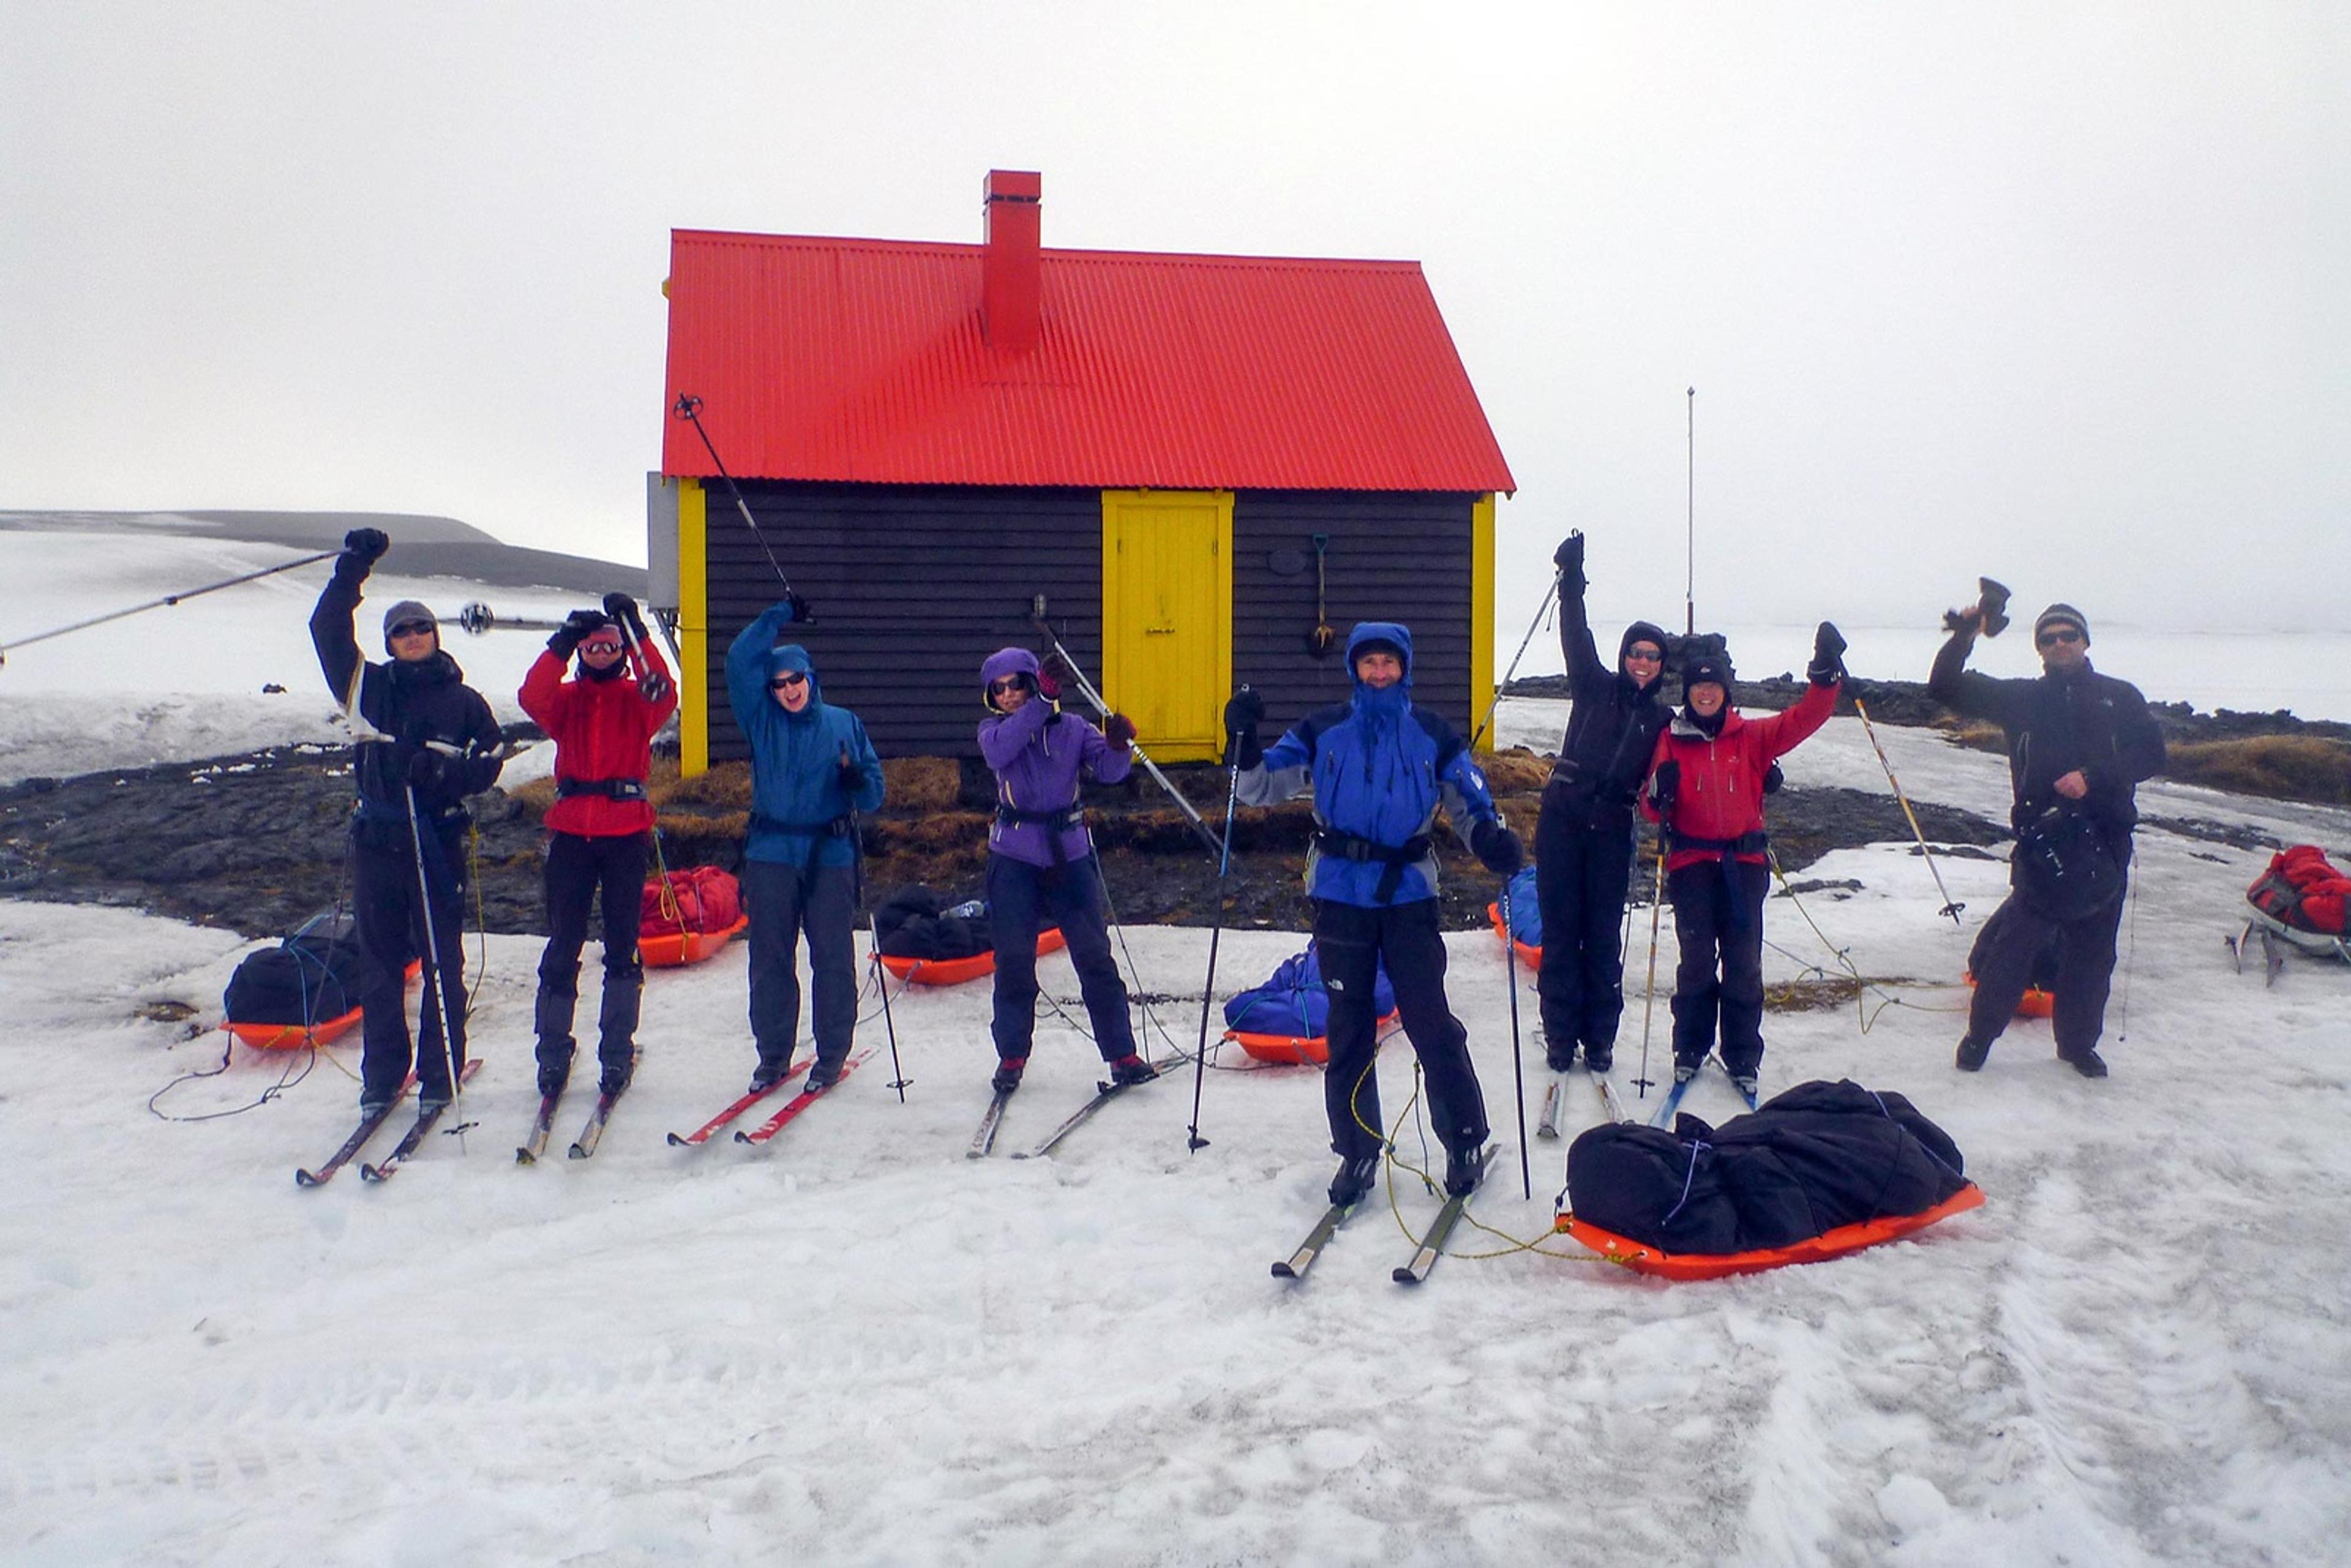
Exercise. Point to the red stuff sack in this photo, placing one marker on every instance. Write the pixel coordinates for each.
(2301, 890)
(699, 898)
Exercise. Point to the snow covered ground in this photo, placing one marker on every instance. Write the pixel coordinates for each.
(858, 1346)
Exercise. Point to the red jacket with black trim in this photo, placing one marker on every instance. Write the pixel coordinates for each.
(601, 729)
(1721, 795)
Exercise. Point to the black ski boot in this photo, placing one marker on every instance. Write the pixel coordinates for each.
(766, 1076)
(1132, 1069)
(1599, 1058)
(613, 1080)
(553, 1070)
(1560, 1058)
(1463, 1166)
(1972, 1055)
(1008, 1073)
(825, 1073)
(1357, 1175)
(2086, 1062)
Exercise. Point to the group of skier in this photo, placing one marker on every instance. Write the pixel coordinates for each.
(1377, 766)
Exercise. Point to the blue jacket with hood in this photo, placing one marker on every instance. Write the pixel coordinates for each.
(796, 789)
(1379, 768)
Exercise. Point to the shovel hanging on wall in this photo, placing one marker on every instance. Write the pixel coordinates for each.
(1321, 640)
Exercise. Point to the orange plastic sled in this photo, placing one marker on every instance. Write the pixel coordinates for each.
(1530, 953)
(2034, 1004)
(293, 1036)
(1289, 1049)
(1645, 1260)
(669, 949)
(955, 971)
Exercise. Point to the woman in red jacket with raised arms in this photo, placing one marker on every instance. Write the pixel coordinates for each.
(1707, 782)
(602, 725)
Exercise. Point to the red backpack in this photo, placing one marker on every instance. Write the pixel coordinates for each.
(699, 898)
(2302, 891)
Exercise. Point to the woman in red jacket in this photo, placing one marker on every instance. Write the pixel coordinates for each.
(1707, 782)
(602, 725)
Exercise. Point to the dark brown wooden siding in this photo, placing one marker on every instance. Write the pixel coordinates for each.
(1392, 558)
(914, 586)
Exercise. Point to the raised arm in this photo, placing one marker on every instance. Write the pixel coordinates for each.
(746, 665)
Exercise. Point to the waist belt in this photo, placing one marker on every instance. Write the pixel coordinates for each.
(1350, 846)
(834, 827)
(609, 788)
(1056, 822)
(1752, 843)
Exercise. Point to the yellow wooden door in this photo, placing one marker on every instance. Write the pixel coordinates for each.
(1167, 616)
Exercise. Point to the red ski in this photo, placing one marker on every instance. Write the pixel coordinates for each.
(797, 1103)
(702, 1134)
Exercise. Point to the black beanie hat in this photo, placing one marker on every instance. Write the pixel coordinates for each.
(2062, 614)
(1704, 670)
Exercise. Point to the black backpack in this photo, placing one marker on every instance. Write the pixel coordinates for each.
(2064, 866)
(316, 973)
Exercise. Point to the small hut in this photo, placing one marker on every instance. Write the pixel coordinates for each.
(1186, 463)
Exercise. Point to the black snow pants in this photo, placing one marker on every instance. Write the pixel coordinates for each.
(385, 905)
(1718, 924)
(1019, 897)
(784, 901)
(1353, 940)
(2085, 972)
(1583, 867)
(578, 868)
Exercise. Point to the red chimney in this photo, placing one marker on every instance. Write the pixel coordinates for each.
(1012, 307)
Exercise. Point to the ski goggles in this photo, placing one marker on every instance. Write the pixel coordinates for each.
(607, 641)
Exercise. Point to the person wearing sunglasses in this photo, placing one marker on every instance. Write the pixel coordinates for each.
(444, 744)
(1584, 839)
(2079, 745)
(811, 769)
(1041, 862)
(603, 723)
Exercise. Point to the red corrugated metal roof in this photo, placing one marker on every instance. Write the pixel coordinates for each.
(864, 361)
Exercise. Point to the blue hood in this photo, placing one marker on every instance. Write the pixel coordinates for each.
(1390, 632)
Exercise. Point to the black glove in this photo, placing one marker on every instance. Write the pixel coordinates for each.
(575, 630)
(623, 611)
(367, 544)
(427, 770)
(852, 777)
(1119, 730)
(1665, 784)
(1569, 558)
(1773, 779)
(1242, 719)
(803, 611)
(1828, 657)
(1495, 846)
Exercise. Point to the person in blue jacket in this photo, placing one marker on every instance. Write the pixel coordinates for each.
(811, 767)
(1379, 768)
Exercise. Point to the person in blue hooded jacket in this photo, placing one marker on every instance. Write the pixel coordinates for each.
(1379, 768)
(811, 767)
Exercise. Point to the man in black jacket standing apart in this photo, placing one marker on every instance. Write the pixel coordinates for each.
(433, 735)
(1583, 840)
(2078, 745)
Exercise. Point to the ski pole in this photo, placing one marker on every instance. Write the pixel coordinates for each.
(479, 620)
(1540, 611)
(689, 408)
(1950, 906)
(1518, 1064)
(873, 939)
(1650, 993)
(437, 982)
(1216, 845)
(651, 685)
(1216, 932)
(168, 599)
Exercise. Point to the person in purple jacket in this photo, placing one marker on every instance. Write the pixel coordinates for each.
(1041, 858)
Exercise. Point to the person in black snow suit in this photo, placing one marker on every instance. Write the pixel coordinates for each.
(1584, 838)
(2079, 743)
(1379, 768)
(435, 741)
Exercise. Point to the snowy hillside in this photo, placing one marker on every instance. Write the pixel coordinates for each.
(858, 1346)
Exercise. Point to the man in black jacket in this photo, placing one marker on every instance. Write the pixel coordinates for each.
(1583, 840)
(2078, 745)
(424, 730)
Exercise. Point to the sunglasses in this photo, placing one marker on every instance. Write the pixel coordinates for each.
(414, 629)
(793, 679)
(1645, 655)
(2057, 634)
(1008, 684)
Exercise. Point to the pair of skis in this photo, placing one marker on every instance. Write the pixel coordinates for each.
(983, 1141)
(1555, 1105)
(784, 1117)
(369, 1124)
(1673, 1101)
(1429, 1249)
(542, 1127)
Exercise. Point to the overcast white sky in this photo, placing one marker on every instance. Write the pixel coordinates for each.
(2056, 292)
